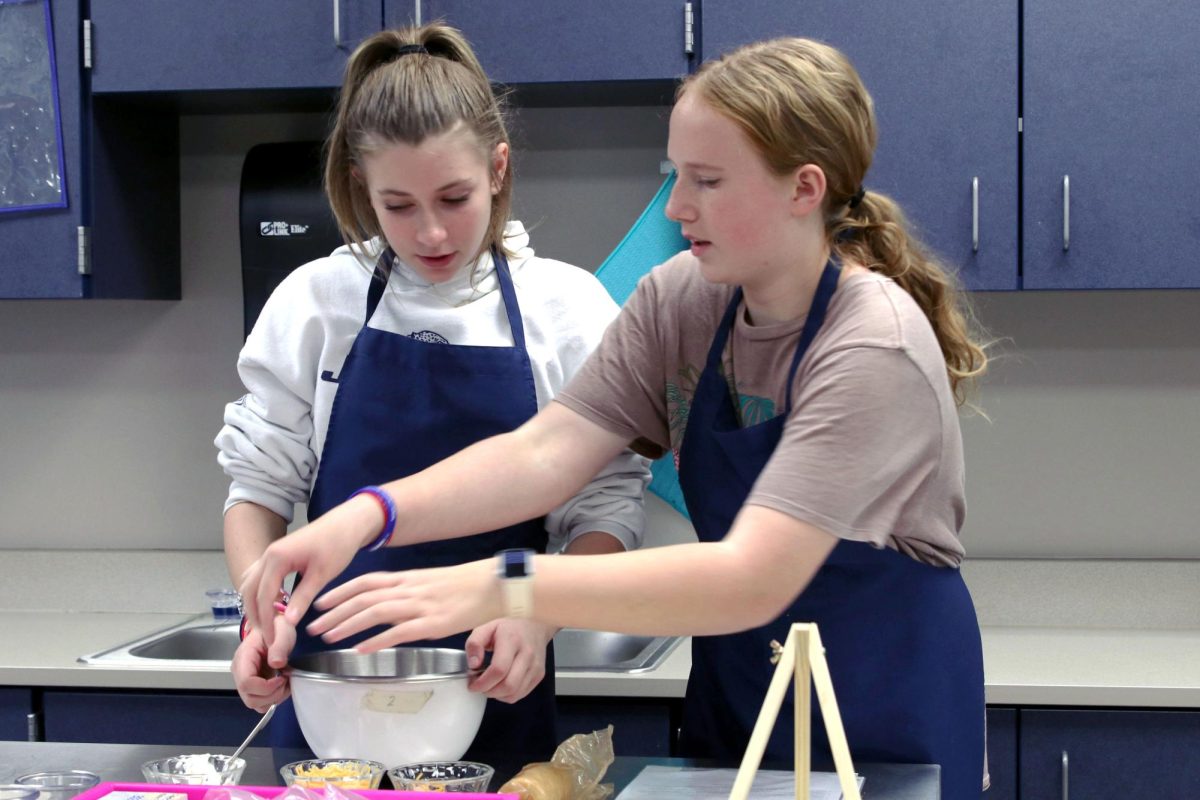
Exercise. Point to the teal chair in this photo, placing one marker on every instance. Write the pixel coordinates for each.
(652, 240)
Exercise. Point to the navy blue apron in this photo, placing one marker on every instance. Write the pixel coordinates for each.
(901, 637)
(403, 405)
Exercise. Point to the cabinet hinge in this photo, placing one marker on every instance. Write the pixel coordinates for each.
(689, 29)
(84, 248)
(87, 44)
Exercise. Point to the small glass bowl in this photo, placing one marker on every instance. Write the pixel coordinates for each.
(345, 773)
(206, 769)
(441, 776)
(59, 785)
(14, 792)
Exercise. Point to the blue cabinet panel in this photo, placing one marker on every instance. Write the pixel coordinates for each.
(146, 46)
(204, 718)
(641, 726)
(16, 704)
(1109, 754)
(1002, 753)
(943, 74)
(1111, 103)
(533, 41)
(38, 249)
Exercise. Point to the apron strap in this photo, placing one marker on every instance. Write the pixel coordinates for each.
(379, 281)
(812, 324)
(816, 317)
(383, 268)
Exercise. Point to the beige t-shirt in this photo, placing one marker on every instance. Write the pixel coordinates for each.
(872, 449)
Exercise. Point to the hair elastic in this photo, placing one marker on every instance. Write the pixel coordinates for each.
(406, 49)
(858, 197)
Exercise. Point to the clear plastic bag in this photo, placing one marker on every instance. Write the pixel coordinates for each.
(573, 773)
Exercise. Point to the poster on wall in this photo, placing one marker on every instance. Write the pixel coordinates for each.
(31, 148)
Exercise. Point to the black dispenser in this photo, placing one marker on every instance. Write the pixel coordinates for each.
(285, 218)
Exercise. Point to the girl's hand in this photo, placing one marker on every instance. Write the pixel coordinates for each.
(319, 551)
(518, 657)
(258, 684)
(417, 604)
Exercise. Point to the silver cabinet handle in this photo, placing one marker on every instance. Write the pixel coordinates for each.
(1066, 784)
(337, 23)
(1066, 212)
(975, 214)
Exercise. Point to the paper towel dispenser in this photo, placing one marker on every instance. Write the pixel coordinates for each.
(285, 218)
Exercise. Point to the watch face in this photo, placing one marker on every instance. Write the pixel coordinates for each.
(513, 562)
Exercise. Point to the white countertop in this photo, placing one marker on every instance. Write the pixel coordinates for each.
(1024, 665)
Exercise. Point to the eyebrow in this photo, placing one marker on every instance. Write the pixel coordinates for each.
(698, 165)
(465, 183)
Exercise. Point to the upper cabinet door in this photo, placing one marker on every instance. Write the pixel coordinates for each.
(39, 249)
(534, 41)
(1111, 178)
(943, 74)
(146, 45)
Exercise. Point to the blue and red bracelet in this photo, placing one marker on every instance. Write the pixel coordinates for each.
(389, 516)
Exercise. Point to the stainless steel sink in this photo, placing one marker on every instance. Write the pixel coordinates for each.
(578, 650)
(203, 644)
(199, 643)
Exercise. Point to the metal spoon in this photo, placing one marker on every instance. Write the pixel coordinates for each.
(261, 723)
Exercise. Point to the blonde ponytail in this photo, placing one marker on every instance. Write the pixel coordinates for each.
(403, 86)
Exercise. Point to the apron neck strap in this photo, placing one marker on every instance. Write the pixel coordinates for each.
(383, 269)
(816, 317)
(379, 281)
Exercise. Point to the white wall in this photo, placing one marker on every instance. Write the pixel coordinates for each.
(108, 409)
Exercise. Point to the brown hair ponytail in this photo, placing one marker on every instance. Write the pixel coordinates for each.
(801, 102)
(403, 86)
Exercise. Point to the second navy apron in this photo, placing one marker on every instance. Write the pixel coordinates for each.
(403, 405)
(901, 637)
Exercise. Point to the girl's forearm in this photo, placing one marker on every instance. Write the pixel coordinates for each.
(248, 530)
(502, 480)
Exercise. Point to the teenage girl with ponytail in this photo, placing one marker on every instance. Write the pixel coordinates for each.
(804, 362)
(436, 326)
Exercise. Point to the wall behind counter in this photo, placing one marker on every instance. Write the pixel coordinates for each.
(108, 408)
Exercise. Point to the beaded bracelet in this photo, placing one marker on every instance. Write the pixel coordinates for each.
(389, 516)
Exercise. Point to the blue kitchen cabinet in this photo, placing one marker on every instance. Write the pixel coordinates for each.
(39, 249)
(150, 46)
(944, 78)
(145, 717)
(1002, 753)
(533, 41)
(1111, 175)
(642, 726)
(16, 704)
(118, 236)
(1077, 753)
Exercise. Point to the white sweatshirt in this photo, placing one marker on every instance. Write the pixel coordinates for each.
(274, 434)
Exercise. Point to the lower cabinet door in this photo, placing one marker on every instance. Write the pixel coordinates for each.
(141, 717)
(1002, 753)
(1109, 754)
(16, 703)
(641, 726)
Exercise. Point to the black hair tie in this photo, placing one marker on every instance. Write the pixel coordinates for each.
(857, 199)
(407, 49)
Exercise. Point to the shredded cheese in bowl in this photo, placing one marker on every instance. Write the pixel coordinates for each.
(346, 773)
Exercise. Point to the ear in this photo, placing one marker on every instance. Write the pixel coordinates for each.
(808, 190)
(356, 173)
(499, 166)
